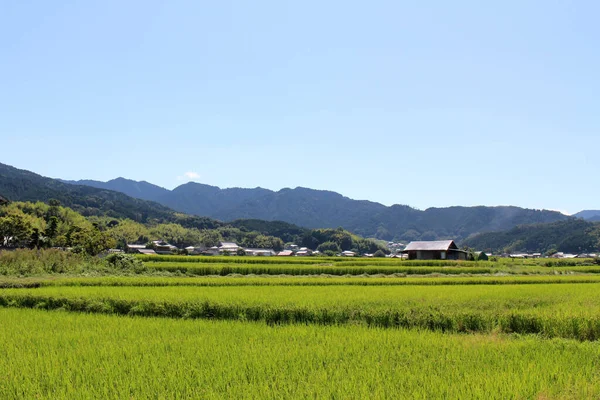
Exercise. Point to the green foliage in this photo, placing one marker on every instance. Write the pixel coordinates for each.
(329, 246)
(22, 262)
(379, 254)
(125, 262)
(343, 239)
(571, 236)
(40, 225)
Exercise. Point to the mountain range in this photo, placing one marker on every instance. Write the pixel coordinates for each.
(311, 208)
(589, 215)
(494, 228)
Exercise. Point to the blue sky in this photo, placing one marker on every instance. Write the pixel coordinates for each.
(430, 103)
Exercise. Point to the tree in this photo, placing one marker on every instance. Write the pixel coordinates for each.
(14, 230)
(92, 241)
(37, 239)
(379, 254)
(329, 246)
(210, 238)
(241, 252)
(52, 227)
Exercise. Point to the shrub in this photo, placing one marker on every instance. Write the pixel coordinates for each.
(125, 262)
(379, 253)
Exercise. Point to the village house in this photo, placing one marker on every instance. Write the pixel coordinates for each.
(260, 252)
(434, 250)
(228, 247)
(195, 250)
(213, 251)
(285, 253)
(134, 248)
(304, 251)
(348, 253)
(162, 247)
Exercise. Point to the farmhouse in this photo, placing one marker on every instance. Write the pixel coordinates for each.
(435, 250)
(162, 247)
(260, 252)
(230, 247)
(135, 248)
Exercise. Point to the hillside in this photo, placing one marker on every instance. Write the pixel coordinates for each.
(21, 185)
(140, 190)
(571, 236)
(318, 208)
(589, 215)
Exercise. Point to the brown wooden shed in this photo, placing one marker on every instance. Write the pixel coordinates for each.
(434, 250)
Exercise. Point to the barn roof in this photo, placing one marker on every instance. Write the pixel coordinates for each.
(437, 245)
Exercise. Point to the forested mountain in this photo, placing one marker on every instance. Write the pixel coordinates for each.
(140, 190)
(21, 185)
(318, 208)
(589, 215)
(571, 236)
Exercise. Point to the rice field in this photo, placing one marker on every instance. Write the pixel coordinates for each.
(284, 280)
(318, 328)
(60, 355)
(550, 310)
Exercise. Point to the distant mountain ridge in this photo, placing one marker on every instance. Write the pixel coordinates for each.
(311, 208)
(570, 236)
(22, 185)
(589, 215)
(138, 189)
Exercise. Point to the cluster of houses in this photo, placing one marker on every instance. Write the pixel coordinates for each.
(417, 250)
(225, 248)
(555, 255)
(435, 250)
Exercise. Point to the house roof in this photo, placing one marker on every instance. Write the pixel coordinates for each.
(147, 252)
(253, 249)
(285, 253)
(437, 245)
(228, 244)
(136, 246)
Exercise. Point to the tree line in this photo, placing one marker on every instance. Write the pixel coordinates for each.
(48, 225)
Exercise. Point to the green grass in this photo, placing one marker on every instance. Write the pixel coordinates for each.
(57, 355)
(565, 310)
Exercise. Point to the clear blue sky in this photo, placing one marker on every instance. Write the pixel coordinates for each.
(422, 103)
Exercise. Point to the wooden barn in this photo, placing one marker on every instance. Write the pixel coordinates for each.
(434, 250)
